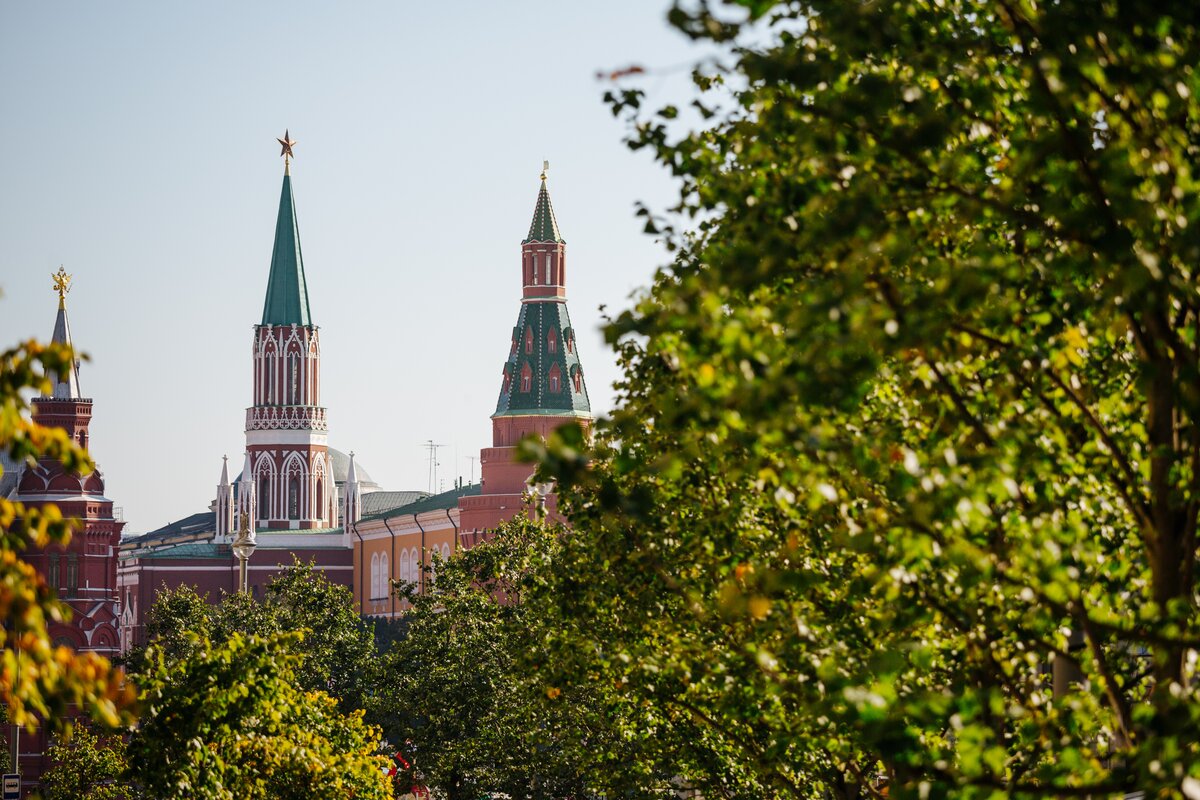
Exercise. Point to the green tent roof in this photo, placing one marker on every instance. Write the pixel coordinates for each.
(544, 227)
(543, 348)
(287, 292)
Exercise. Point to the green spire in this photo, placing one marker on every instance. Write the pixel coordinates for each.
(287, 292)
(544, 227)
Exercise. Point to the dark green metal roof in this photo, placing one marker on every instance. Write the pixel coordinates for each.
(537, 321)
(435, 502)
(287, 292)
(189, 550)
(544, 227)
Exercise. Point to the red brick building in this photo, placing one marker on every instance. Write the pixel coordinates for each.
(287, 492)
(542, 385)
(84, 571)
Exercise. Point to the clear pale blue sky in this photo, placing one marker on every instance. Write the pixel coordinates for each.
(137, 148)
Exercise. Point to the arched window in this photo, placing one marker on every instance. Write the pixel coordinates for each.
(555, 380)
(405, 568)
(526, 378)
(294, 378)
(536, 276)
(374, 575)
(415, 560)
(552, 341)
(320, 497)
(578, 380)
(445, 551)
(52, 570)
(264, 498)
(294, 497)
(385, 576)
(529, 340)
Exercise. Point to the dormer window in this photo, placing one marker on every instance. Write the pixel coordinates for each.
(526, 379)
(529, 341)
(578, 381)
(552, 341)
(555, 380)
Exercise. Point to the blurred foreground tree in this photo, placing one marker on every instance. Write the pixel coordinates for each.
(902, 491)
(38, 680)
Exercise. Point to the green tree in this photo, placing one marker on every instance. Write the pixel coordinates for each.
(87, 767)
(230, 720)
(902, 487)
(39, 681)
(339, 647)
(465, 688)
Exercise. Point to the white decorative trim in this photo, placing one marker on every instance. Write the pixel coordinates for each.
(270, 418)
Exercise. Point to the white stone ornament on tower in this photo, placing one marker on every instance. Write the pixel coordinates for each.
(226, 512)
(246, 498)
(352, 498)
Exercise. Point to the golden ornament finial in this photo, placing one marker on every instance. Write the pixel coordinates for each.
(545, 166)
(287, 143)
(62, 285)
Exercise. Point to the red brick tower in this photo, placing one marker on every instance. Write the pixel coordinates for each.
(542, 383)
(85, 571)
(286, 432)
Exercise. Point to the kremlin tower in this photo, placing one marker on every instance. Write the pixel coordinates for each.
(542, 384)
(84, 571)
(286, 433)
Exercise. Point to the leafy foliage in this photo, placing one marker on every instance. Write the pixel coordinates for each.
(230, 720)
(339, 647)
(38, 680)
(902, 489)
(87, 767)
(464, 684)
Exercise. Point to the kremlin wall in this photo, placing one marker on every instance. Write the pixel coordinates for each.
(294, 497)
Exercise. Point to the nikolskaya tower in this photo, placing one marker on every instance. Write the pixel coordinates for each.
(287, 479)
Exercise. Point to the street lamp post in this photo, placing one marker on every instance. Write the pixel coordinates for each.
(243, 548)
(539, 491)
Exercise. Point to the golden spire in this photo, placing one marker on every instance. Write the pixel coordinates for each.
(62, 285)
(287, 143)
(545, 166)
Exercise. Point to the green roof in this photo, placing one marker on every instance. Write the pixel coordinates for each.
(287, 292)
(544, 227)
(540, 350)
(189, 550)
(445, 500)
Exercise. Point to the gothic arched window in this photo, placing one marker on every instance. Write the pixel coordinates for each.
(385, 576)
(374, 575)
(293, 497)
(320, 497)
(294, 379)
(526, 379)
(264, 498)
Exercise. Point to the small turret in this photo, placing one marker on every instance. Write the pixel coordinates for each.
(64, 407)
(225, 509)
(246, 498)
(351, 497)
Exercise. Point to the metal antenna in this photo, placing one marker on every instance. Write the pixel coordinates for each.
(472, 459)
(433, 462)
